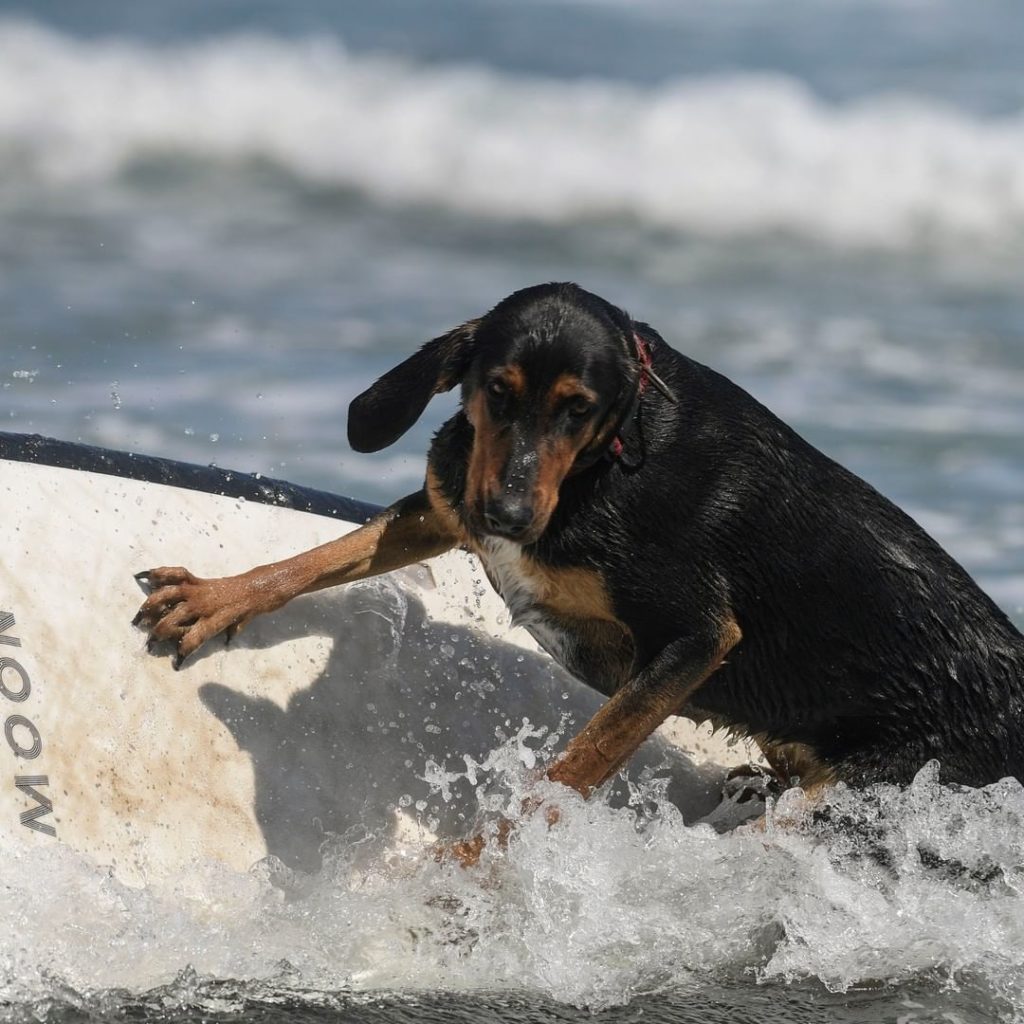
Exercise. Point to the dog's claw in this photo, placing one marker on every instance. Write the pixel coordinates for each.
(178, 661)
(150, 644)
(144, 575)
(137, 619)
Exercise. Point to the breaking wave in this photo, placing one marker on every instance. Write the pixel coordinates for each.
(727, 156)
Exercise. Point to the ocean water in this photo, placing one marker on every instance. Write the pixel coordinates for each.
(220, 222)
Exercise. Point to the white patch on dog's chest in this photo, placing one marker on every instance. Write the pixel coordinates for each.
(504, 563)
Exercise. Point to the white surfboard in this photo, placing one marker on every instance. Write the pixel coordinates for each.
(320, 720)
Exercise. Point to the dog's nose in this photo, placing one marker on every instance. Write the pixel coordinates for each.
(508, 517)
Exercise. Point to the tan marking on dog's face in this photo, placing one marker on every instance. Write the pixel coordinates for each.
(511, 376)
(595, 435)
(568, 386)
(514, 379)
(556, 450)
(488, 458)
(556, 458)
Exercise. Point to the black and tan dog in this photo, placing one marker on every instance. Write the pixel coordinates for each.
(672, 544)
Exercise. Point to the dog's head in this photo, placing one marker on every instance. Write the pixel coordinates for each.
(547, 377)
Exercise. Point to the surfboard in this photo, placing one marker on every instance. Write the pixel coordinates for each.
(351, 711)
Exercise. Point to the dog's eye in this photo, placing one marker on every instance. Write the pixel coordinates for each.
(497, 388)
(579, 408)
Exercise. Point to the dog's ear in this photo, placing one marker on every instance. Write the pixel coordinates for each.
(386, 410)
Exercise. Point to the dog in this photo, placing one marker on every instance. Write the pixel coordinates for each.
(672, 543)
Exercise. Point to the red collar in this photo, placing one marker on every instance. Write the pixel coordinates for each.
(647, 375)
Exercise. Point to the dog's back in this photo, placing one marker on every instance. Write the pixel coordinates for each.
(863, 639)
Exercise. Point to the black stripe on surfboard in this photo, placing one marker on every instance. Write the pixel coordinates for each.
(46, 451)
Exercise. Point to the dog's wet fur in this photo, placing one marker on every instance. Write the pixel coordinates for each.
(680, 549)
(862, 640)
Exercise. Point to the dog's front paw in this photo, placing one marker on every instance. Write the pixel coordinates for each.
(189, 610)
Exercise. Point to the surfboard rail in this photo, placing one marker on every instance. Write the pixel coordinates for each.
(47, 451)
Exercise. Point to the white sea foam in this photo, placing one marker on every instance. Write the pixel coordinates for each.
(727, 156)
(610, 904)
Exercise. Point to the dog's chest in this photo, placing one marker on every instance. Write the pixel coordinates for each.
(521, 589)
(567, 611)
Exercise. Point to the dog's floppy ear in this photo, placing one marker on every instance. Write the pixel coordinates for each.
(386, 410)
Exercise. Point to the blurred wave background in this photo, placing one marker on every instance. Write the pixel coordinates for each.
(219, 221)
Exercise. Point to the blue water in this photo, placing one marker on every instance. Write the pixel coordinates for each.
(219, 222)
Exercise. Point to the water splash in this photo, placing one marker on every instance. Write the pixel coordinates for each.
(881, 887)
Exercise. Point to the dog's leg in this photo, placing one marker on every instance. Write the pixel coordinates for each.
(611, 737)
(190, 610)
(631, 714)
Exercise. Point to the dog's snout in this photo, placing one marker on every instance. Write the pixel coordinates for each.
(508, 516)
